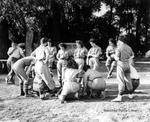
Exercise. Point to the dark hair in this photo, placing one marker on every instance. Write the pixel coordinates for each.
(13, 42)
(80, 42)
(92, 40)
(121, 38)
(63, 45)
(43, 40)
(112, 40)
(50, 40)
(71, 63)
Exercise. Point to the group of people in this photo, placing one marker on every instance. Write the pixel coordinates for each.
(78, 74)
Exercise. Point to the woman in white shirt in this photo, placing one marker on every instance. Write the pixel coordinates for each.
(62, 57)
(41, 68)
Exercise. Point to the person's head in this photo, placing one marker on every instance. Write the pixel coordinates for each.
(43, 41)
(62, 46)
(79, 44)
(49, 42)
(71, 63)
(92, 42)
(112, 42)
(121, 40)
(13, 44)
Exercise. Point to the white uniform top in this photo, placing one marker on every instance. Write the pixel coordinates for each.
(52, 51)
(16, 53)
(80, 52)
(95, 52)
(62, 55)
(110, 50)
(70, 75)
(41, 53)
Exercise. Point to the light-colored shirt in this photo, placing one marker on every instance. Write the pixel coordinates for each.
(52, 51)
(110, 50)
(70, 75)
(40, 53)
(124, 53)
(95, 52)
(80, 53)
(16, 53)
(62, 55)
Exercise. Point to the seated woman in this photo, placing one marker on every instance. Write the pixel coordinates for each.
(71, 80)
(21, 68)
(94, 83)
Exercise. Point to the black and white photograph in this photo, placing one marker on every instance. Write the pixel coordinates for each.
(74, 60)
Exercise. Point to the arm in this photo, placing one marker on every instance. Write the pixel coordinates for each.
(46, 55)
(11, 50)
(58, 55)
(89, 53)
(33, 53)
(117, 55)
(107, 53)
(55, 51)
(21, 52)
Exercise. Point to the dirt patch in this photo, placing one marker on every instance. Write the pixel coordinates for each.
(21, 109)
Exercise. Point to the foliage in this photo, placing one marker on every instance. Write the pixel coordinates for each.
(68, 20)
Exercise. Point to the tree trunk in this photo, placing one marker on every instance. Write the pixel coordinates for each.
(4, 43)
(137, 29)
(29, 41)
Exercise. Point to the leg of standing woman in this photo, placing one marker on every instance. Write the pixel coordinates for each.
(59, 72)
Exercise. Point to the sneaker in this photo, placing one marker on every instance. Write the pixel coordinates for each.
(61, 98)
(117, 99)
(130, 96)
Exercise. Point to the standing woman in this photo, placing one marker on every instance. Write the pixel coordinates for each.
(93, 55)
(110, 53)
(62, 57)
(123, 56)
(80, 54)
(52, 53)
(41, 67)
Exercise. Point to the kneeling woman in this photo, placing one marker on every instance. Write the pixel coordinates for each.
(94, 83)
(71, 80)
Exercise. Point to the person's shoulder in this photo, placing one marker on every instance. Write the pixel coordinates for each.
(108, 47)
(98, 47)
(19, 48)
(59, 51)
(10, 48)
